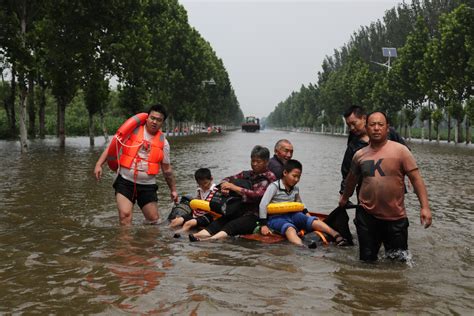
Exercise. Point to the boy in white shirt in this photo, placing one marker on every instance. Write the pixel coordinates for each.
(289, 224)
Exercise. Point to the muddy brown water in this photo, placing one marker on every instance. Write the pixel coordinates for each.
(63, 252)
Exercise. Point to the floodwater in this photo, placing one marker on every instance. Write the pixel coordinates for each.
(63, 252)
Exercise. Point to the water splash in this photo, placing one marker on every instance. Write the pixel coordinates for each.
(401, 256)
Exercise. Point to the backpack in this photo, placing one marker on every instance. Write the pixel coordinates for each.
(339, 221)
(181, 209)
(232, 205)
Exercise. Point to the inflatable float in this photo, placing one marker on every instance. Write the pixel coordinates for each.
(273, 209)
(120, 136)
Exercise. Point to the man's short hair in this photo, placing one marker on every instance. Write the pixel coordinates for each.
(202, 174)
(158, 108)
(293, 164)
(260, 152)
(280, 142)
(371, 113)
(357, 110)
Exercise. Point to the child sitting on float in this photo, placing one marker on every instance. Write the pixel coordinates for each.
(289, 224)
(198, 218)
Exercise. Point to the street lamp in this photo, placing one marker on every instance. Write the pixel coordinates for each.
(387, 52)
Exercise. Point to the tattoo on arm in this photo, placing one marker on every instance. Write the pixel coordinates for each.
(169, 178)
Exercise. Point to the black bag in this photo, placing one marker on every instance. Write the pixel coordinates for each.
(181, 209)
(339, 221)
(230, 205)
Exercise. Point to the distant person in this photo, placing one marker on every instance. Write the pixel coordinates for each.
(355, 118)
(381, 215)
(283, 152)
(245, 221)
(198, 218)
(289, 224)
(144, 153)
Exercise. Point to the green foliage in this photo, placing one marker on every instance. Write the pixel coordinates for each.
(435, 61)
(425, 113)
(148, 46)
(470, 109)
(437, 117)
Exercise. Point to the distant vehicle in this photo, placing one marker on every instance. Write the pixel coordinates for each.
(251, 124)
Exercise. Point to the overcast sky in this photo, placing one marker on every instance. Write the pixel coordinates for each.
(271, 48)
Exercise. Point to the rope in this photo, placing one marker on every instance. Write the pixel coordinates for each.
(118, 158)
(129, 146)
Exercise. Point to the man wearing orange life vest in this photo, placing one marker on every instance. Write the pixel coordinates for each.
(144, 152)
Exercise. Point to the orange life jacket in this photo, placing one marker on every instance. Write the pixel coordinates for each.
(135, 142)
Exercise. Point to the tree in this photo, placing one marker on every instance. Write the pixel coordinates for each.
(21, 49)
(96, 95)
(62, 45)
(470, 118)
(453, 55)
(437, 117)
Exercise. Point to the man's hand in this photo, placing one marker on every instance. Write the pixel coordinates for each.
(343, 201)
(98, 172)
(226, 187)
(229, 186)
(174, 196)
(425, 217)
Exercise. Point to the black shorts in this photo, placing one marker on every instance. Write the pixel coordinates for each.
(234, 226)
(140, 193)
(373, 232)
(202, 221)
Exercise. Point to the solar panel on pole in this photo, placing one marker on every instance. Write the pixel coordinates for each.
(389, 52)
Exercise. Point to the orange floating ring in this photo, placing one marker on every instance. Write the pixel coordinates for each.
(122, 133)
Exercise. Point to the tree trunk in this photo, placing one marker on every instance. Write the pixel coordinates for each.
(91, 129)
(31, 107)
(104, 128)
(459, 127)
(23, 87)
(437, 133)
(42, 107)
(62, 123)
(400, 122)
(429, 121)
(468, 131)
(11, 104)
(449, 128)
(422, 131)
(23, 100)
(58, 120)
(455, 135)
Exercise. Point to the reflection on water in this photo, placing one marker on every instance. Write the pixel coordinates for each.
(63, 252)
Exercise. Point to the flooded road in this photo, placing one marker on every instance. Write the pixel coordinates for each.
(63, 252)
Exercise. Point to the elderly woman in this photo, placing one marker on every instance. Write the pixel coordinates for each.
(243, 222)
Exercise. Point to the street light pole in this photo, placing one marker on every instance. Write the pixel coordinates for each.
(387, 52)
(210, 82)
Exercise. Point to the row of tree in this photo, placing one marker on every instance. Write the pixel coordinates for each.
(60, 47)
(432, 77)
